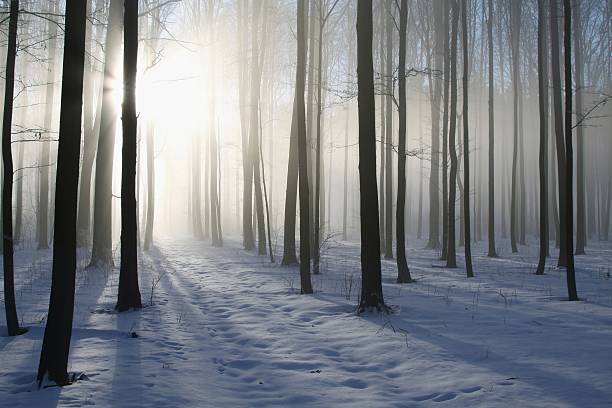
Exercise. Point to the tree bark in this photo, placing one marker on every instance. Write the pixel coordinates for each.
(129, 292)
(10, 307)
(56, 341)
(492, 253)
(102, 254)
(466, 145)
(371, 281)
(305, 283)
(543, 156)
(403, 273)
(569, 153)
(451, 260)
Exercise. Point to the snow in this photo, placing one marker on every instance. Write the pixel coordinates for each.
(228, 329)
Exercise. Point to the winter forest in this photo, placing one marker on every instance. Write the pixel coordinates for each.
(331, 203)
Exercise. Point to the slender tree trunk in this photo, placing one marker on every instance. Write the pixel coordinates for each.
(317, 201)
(389, 134)
(289, 253)
(56, 341)
(18, 235)
(129, 292)
(371, 281)
(559, 132)
(515, 17)
(305, 283)
(445, 101)
(403, 273)
(543, 158)
(466, 144)
(581, 233)
(569, 153)
(491, 222)
(10, 307)
(434, 177)
(102, 250)
(451, 260)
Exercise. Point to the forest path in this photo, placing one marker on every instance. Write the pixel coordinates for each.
(222, 327)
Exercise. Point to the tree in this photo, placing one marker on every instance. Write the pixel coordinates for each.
(434, 182)
(466, 144)
(129, 293)
(7, 183)
(371, 281)
(569, 159)
(101, 254)
(324, 13)
(491, 224)
(445, 101)
(543, 156)
(56, 341)
(559, 132)
(515, 18)
(451, 259)
(389, 25)
(289, 254)
(300, 79)
(581, 234)
(403, 273)
(42, 214)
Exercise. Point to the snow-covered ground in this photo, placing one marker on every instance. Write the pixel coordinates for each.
(225, 328)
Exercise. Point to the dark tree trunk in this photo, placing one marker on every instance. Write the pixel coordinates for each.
(451, 259)
(445, 101)
(559, 132)
(129, 292)
(56, 342)
(389, 26)
(317, 200)
(581, 234)
(371, 282)
(10, 307)
(543, 158)
(102, 254)
(254, 136)
(306, 285)
(42, 215)
(569, 153)
(434, 177)
(289, 253)
(466, 145)
(491, 222)
(403, 273)
(515, 18)
(91, 125)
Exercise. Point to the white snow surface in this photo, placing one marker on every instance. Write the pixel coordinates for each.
(225, 328)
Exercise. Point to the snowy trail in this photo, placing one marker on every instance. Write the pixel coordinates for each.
(226, 328)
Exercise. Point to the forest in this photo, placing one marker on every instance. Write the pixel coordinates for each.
(328, 203)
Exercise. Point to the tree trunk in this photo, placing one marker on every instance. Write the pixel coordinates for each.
(289, 253)
(559, 133)
(403, 273)
(56, 342)
(305, 283)
(445, 101)
(581, 234)
(102, 251)
(466, 145)
(10, 307)
(515, 18)
(389, 133)
(371, 281)
(451, 260)
(569, 153)
(129, 292)
(491, 222)
(543, 157)
(434, 177)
